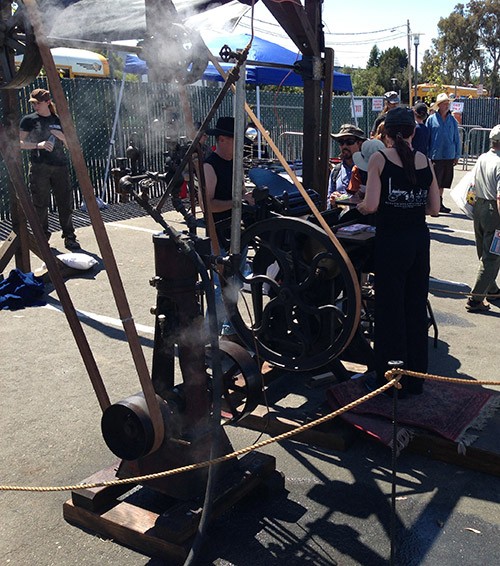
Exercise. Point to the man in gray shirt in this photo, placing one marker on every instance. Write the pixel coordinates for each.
(486, 221)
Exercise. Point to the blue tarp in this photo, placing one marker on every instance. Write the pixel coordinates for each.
(261, 50)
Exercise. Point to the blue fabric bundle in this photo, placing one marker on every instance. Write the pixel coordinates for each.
(21, 290)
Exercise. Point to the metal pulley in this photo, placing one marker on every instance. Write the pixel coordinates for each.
(127, 428)
(17, 38)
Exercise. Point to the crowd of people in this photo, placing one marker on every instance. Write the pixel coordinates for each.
(403, 170)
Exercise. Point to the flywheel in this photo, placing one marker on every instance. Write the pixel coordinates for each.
(17, 38)
(299, 307)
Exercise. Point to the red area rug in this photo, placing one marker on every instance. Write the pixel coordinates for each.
(453, 411)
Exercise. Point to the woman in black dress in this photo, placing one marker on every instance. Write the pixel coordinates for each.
(402, 189)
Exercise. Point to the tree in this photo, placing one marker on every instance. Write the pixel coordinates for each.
(485, 17)
(374, 58)
(366, 82)
(455, 57)
(377, 78)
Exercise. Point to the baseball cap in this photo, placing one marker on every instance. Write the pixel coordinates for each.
(400, 116)
(421, 109)
(392, 97)
(39, 95)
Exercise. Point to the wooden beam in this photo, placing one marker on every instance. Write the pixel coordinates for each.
(294, 19)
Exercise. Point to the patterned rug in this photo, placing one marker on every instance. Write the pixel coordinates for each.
(454, 411)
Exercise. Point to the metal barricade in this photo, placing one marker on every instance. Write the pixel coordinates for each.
(477, 142)
(290, 145)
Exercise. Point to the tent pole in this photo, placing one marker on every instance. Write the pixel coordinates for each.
(259, 135)
(112, 138)
(353, 107)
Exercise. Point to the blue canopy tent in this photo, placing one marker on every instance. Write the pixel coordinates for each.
(261, 51)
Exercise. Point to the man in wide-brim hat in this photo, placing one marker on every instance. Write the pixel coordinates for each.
(349, 137)
(445, 147)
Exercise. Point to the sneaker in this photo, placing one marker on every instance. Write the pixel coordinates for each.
(71, 243)
(493, 297)
(444, 209)
(476, 306)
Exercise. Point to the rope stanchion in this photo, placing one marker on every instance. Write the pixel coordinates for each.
(392, 376)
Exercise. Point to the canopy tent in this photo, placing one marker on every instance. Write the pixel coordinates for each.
(261, 51)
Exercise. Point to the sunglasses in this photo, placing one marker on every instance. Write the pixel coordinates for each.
(348, 141)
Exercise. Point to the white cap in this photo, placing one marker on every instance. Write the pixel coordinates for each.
(495, 133)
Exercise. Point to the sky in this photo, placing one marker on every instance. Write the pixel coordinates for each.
(352, 28)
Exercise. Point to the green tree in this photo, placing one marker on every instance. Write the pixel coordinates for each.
(377, 78)
(394, 65)
(374, 58)
(366, 82)
(485, 17)
(454, 56)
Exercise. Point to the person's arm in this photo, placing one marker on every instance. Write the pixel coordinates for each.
(218, 205)
(59, 135)
(433, 197)
(24, 143)
(458, 145)
(373, 185)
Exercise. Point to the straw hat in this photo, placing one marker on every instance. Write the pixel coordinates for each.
(443, 97)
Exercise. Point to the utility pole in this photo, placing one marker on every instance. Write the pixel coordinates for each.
(408, 33)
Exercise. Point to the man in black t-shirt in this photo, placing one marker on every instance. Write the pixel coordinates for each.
(41, 134)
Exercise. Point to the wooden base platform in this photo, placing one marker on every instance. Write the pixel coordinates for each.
(155, 524)
(483, 455)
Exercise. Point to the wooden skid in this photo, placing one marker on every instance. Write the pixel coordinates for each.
(483, 455)
(151, 523)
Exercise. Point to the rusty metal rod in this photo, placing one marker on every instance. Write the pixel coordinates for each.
(97, 224)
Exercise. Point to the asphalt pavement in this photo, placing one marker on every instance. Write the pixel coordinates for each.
(336, 506)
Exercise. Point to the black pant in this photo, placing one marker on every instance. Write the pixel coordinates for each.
(402, 267)
(43, 179)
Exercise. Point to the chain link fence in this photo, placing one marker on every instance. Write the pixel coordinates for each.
(108, 115)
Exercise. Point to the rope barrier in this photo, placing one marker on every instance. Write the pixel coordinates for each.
(392, 376)
(466, 294)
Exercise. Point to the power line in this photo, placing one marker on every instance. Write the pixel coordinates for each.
(392, 28)
(368, 41)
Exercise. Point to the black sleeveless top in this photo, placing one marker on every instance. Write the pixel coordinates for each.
(402, 204)
(224, 187)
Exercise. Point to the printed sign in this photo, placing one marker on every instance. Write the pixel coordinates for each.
(357, 106)
(377, 104)
(457, 107)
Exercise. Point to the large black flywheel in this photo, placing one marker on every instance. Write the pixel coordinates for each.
(17, 38)
(301, 303)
